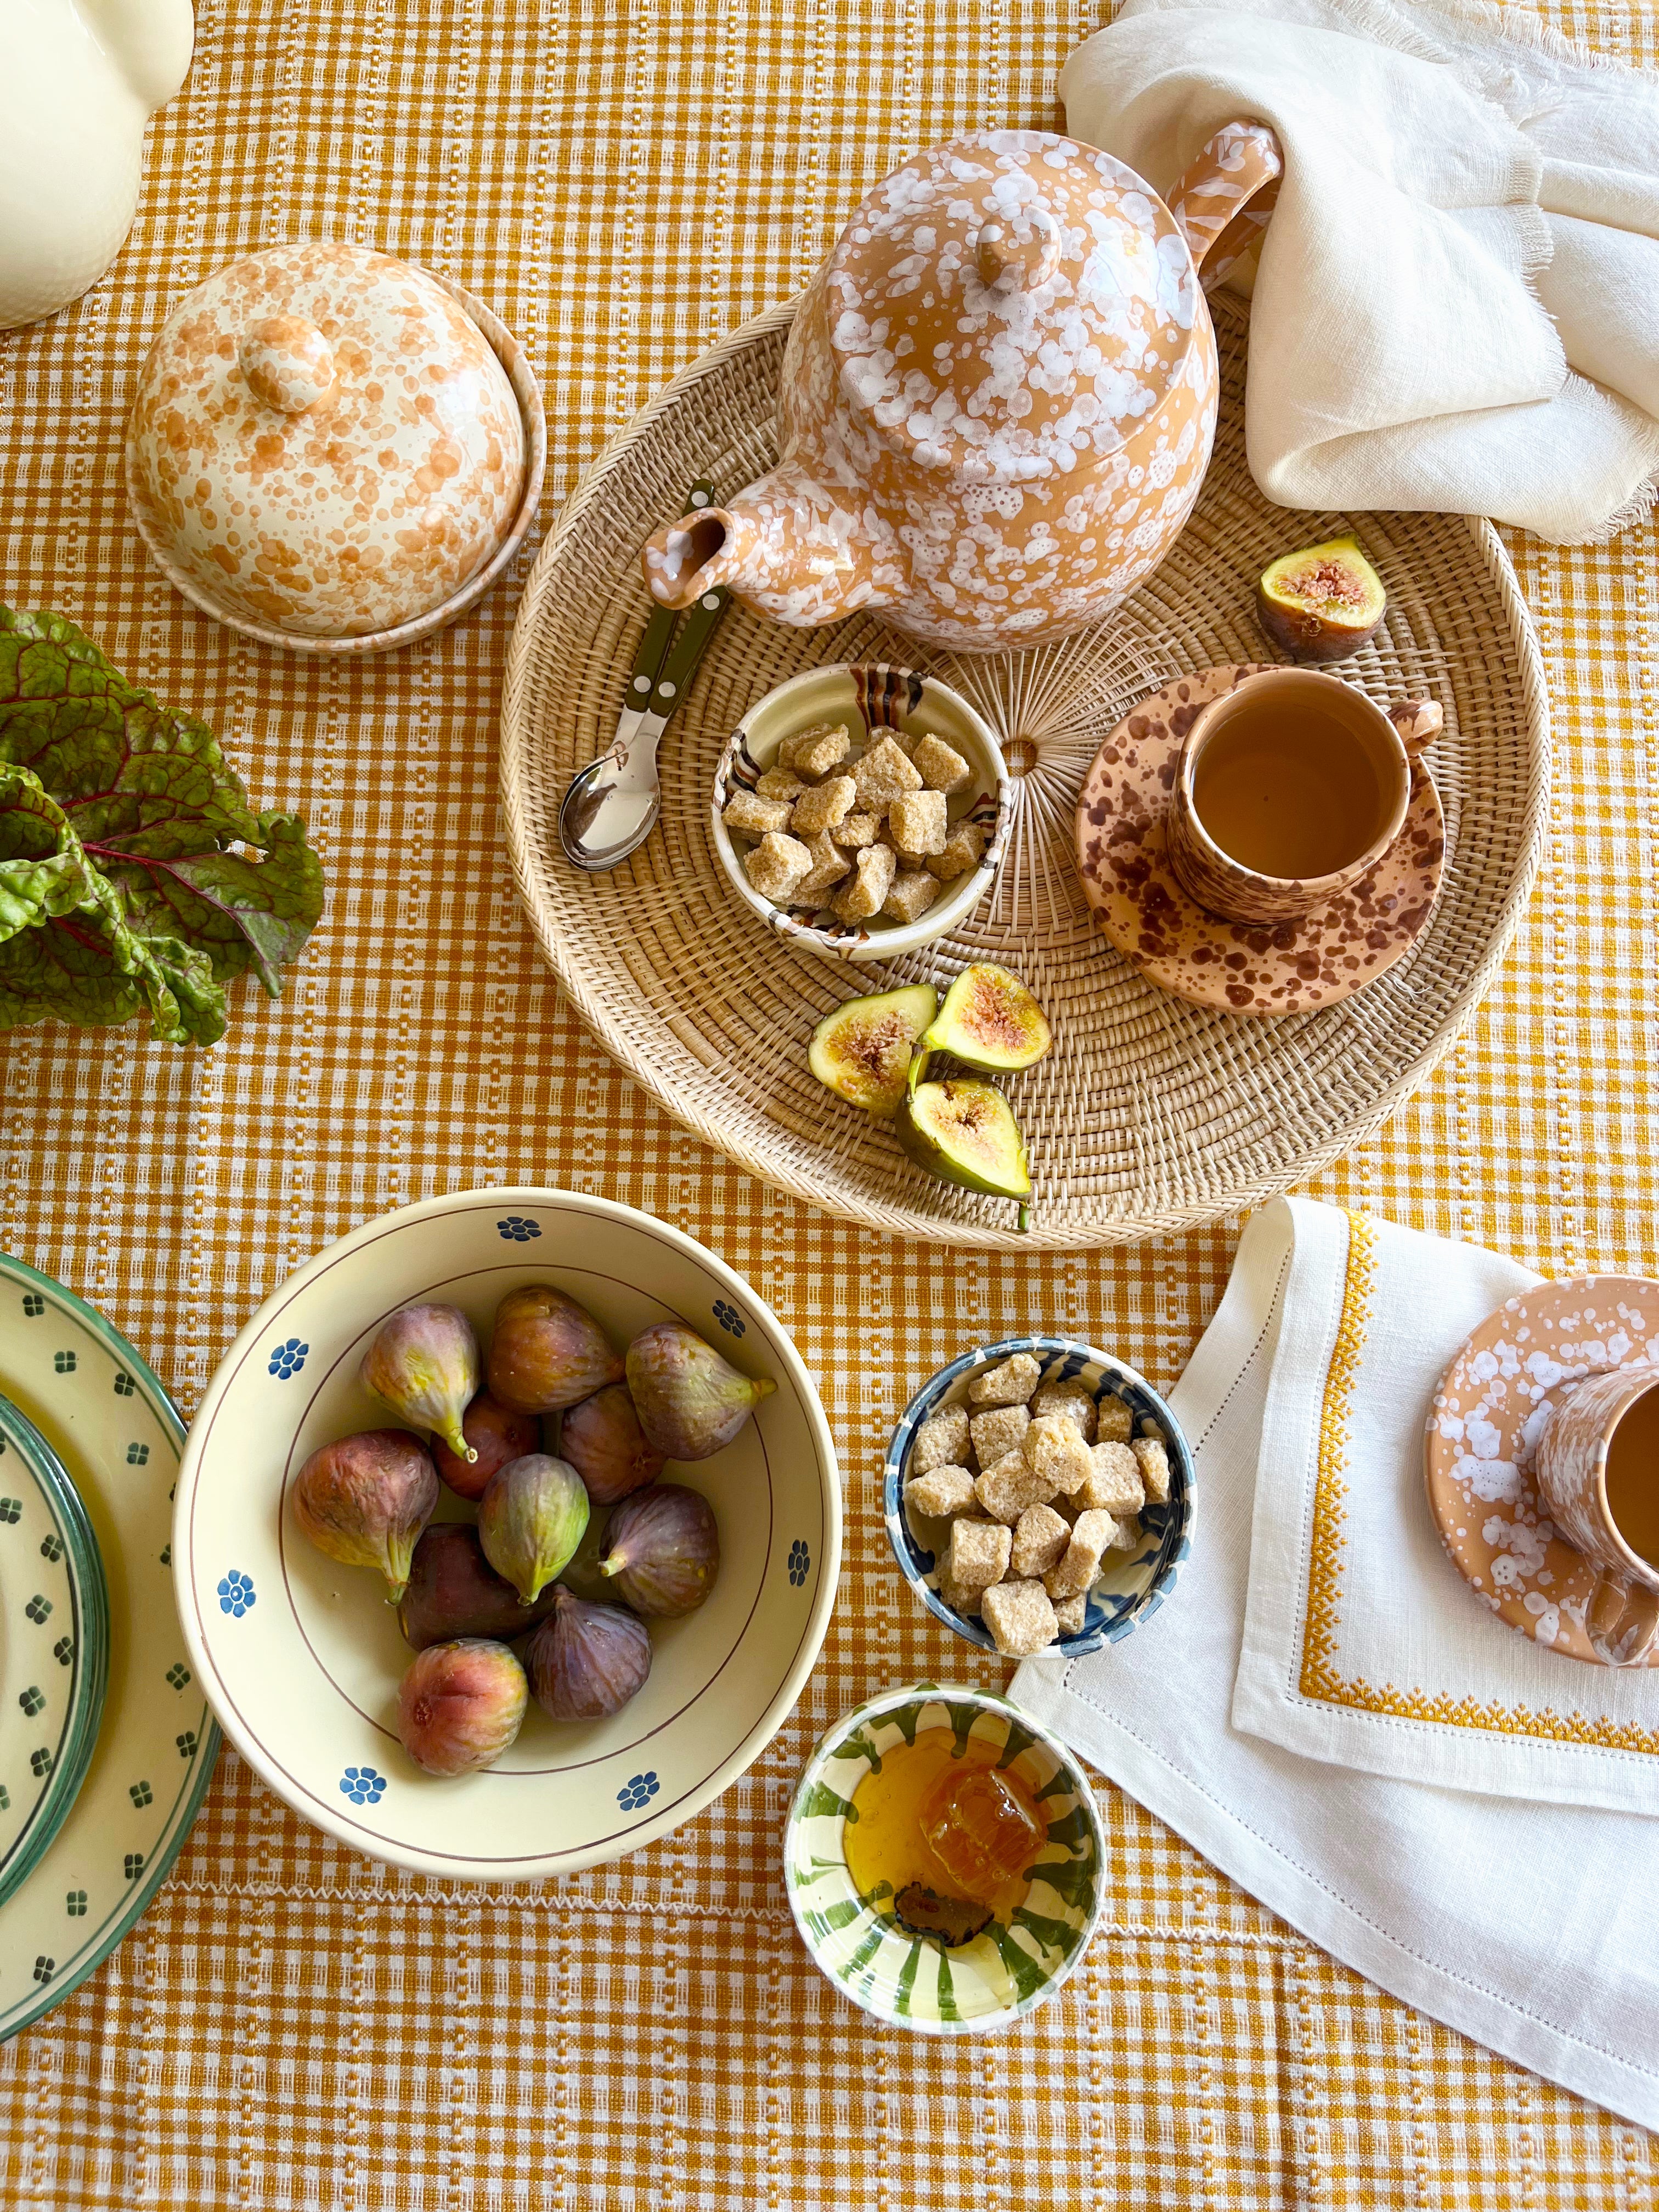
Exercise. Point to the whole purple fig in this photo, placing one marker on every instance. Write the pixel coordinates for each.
(663, 1549)
(454, 1591)
(494, 1434)
(460, 1705)
(365, 1500)
(603, 1440)
(531, 1519)
(581, 1571)
(690, 1401)
(547, 1351)
(586, 1662)
(424, 1364)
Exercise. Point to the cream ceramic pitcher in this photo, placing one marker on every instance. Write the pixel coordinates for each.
(82, 77)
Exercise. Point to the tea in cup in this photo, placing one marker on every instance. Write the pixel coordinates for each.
(1598, 1473)
(1291, 788)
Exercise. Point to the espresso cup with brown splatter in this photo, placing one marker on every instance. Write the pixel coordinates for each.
(1291, 788)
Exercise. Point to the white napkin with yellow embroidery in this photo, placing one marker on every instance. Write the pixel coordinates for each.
(1523, 1922)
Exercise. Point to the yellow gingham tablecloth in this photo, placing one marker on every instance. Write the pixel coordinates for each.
(293, 2026)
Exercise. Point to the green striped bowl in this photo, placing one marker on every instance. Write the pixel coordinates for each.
(911, 1980)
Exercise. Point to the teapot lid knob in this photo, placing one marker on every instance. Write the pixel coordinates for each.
(1025, 248)
(288, 362)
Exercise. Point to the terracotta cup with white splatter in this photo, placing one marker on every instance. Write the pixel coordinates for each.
(1572, 1465)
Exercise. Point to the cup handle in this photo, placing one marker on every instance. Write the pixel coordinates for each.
(1221, 202)
(1622, 1620)
(1419, 722)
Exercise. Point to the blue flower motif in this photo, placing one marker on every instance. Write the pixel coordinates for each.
(235, 1593)
(729, 1318)
(801, 1560)
(362, 1785)
(638, 1791)
(288, 1359)
(516, 1230)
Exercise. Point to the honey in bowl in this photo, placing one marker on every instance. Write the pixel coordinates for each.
(947, 1832)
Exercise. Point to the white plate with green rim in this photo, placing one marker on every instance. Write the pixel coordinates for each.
(114, 1430)
(915, 1981)
(54, 1645)
(301, 1657)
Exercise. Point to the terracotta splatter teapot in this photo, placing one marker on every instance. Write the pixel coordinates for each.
(998, 399)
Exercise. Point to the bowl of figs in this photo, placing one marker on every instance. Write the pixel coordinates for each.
(508, 1533)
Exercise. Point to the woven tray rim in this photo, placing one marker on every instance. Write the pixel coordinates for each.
(517, 736)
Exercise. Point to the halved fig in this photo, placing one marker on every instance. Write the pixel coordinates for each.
(1323, 603)
(862, 1051)
(990, 1021)
(964, 1132)
(922, 1911)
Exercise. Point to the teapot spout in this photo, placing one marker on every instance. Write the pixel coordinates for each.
(794, 548)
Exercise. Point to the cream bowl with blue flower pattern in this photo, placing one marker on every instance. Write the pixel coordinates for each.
(915, 1981)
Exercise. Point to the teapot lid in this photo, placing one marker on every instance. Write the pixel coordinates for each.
(325, 442)
(1010, 305)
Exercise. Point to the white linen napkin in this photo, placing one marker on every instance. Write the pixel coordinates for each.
(1457, 302)
(1526, 1925)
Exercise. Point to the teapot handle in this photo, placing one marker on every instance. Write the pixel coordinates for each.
(1221, 201)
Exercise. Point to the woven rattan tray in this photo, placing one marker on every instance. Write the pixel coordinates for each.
(1149, 1115)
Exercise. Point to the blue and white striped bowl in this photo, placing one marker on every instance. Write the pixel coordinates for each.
(1132, 1584)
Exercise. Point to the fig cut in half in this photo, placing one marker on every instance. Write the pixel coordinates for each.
(990, 1021)
(1323, 603)
(862, 1051)
(964, 1132)
(919, 1911)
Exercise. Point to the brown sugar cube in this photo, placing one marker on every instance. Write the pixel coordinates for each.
(1020, 1618)
(792, 744)
(1114, 1423)
(978, 1551)
(882, 775)
(829, 865)
(1129, 1534)
(1092, 1534)
(1071, 1399)
(917, 821)
(998, 1432)
(823, 805)
(776, 864)
(1009, 1383)
(1113, 1484)
(1072, 1614)
(825, 750)
(1040, 1540)
(1054, 1449)
(940, 1492)
(780, 783)
(1009, 1485)
(873, 878)
(752, 816)
(856, 831)
(941, 1441)
(941, 766)
(961, 851)
(960, 1597)
(914, 891)
(1154, 1467)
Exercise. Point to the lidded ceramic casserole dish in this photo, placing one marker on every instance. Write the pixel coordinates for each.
(333, 449)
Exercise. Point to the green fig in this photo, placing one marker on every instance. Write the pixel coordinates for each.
(365, 1500)
(424, 1364)
(690, 1401)
(461, 1706)
(964, 1132)
(547, 1352)
(531, 1519)
(990, 1021)
(1323, 602)
(862, 1051)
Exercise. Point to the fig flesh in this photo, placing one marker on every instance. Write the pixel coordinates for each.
(663, 1549)
(365, 1500)
(862, 1051)
(690, 1401)
(547, 1352)
(530, 1520)
(586, 1662)
(603, 1440)
(953, 1920)
(454, 1591)
(1321, 602)
(460, 1705)
(990, 1021)
(963, 1131)
(424, 1364)
(496, 1434)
